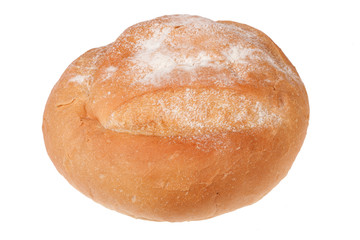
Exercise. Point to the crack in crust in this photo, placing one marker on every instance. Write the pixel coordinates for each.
(65, 104)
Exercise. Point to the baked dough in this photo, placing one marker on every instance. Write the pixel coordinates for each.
(181, 118)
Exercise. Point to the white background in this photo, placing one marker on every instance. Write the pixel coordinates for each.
(320, 197)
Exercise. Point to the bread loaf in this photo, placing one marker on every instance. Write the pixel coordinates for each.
(181, 118)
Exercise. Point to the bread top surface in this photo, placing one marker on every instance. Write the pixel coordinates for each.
(186, 75)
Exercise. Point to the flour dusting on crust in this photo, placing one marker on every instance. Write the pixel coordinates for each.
(182, 76)
(191, 112)
(171, 47)
(78, 79)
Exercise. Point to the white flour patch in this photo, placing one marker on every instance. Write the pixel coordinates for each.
(78, 79)
(156, 60)
(238, 54)
(111, 69)
(109, 72)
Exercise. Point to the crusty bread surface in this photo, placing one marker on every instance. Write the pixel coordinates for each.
(181, 118)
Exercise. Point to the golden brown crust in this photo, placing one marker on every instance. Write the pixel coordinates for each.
(181, 118)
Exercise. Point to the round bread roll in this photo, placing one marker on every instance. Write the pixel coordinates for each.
(181, 118)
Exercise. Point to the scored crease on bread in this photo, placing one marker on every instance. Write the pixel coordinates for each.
(181, 118)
